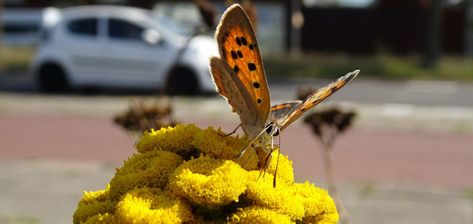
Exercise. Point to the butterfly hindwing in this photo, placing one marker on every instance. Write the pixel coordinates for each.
(222, 77)
(280, 111)
(294, 111)
(239, 51)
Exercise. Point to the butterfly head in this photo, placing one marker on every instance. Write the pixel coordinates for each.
(272, 129)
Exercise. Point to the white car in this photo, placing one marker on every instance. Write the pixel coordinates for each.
(115, 46)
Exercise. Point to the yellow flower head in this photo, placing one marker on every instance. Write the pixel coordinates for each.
(188, 174)
(104, 218)
(151, 169)
(215, 144)
(319, 206)
(255, 214)
(209, 182)
(151, 205)
(93, 203)
(281, 198)
(285, 171)
(174, 139)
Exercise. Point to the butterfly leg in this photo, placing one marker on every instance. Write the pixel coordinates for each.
(267, 160)
(244, 150)
(232, 132)
(252, 141)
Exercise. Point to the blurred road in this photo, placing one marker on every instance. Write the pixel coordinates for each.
(417, 92)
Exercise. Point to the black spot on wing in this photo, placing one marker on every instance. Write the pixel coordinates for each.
(236, 69)
(251, 66)
(256, 85)
(234, 54)
(243, 41)
(251, 46)
(259, 100)
(240, 55)
(225, 35)
(238, 41)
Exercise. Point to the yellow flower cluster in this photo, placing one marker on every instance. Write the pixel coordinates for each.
(209, 182)
(186, 174)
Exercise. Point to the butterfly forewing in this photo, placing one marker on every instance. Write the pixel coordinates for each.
(293, 111)
(239, 50)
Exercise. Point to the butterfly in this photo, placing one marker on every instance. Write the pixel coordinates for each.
(240, 78)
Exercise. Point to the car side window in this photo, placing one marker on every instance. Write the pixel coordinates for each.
(85, 26)
(121, 29)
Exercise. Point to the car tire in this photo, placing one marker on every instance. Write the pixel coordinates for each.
(53, 79)
(182, 81)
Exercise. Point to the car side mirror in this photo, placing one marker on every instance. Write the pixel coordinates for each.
(151, 37)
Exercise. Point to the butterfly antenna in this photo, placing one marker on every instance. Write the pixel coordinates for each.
(233, 132)
(251, 142)
(260, 172)
(277, 161)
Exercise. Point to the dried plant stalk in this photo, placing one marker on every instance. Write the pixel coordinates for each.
(327, 124)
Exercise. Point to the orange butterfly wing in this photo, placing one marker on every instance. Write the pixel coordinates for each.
(286, 113)
(239, 50)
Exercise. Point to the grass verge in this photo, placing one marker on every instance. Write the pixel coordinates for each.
(15, 59)
(379, 66)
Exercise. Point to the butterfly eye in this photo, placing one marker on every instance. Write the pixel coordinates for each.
(269, 128)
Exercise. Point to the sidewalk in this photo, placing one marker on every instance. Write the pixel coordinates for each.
(388, 116)
(42, 191)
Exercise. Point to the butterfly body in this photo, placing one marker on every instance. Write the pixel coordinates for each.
(240, 78)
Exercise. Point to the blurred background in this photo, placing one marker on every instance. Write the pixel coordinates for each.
(80, 80)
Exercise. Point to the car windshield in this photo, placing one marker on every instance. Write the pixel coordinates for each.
(175, 26)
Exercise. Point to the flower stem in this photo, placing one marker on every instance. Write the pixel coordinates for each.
(327, 141)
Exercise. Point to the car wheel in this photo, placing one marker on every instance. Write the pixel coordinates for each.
(182, 81)
(53, 79)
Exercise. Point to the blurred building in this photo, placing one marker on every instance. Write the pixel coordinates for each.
(394, 26)
(349, 26)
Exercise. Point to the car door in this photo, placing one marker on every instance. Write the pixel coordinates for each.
(132, 60)
(82, 43)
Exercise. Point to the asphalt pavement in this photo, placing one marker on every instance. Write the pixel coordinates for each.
(360, 90)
